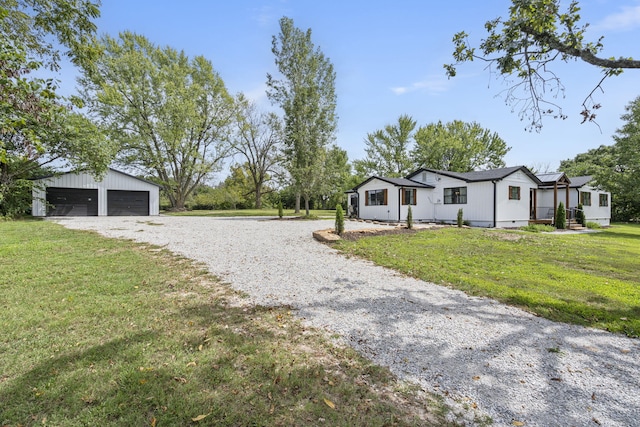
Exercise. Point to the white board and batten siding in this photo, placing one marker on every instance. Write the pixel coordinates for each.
(113, 180)
(514, 212)
(388, 212)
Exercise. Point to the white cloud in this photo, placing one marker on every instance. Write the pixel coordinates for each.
(434, 84)
(627, 19)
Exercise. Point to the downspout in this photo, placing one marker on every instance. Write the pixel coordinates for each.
(495, 201)
(399, 202)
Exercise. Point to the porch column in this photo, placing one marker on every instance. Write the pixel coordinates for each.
(555, 201)
(566, 203)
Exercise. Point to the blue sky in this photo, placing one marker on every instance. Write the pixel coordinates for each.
(388, 58)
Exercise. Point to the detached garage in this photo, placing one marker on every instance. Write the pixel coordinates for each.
(79, 194)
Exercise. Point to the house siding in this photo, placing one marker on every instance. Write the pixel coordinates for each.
(388, 212)
(593, 213)
(113, 180)
(514, 213)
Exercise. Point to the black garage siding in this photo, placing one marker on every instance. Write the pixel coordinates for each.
(123, 203)
(72, 202)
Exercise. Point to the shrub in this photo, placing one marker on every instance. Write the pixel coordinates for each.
(580, 215)
(459, 219)
(593, 225)
(409, 218)
(339, 227)
(561, 217)
(280, 212)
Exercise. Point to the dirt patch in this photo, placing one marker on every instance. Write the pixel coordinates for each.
(353, 235)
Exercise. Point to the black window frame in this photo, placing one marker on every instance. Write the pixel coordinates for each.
(455, 196)
(605, 197)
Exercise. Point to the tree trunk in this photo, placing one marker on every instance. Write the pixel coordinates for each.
(306, 205)
(297, 203)
(258, 198)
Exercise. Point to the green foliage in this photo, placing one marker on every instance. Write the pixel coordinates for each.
(538, 228)
(593, 225)
(522, 48)
(339, 225)
(615, 168)
(37, 126)
(258, 139)
(387, 150)
(600, 287)
(280, 209)
(458, 146)
(335, 179)
(306, 93)
(580, 218)
(459, 217)
(170, 115)
(561, 217)
(409, 218)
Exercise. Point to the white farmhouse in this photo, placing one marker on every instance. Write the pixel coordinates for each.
(500, 198)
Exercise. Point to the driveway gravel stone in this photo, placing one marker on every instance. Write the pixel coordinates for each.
(486, 359)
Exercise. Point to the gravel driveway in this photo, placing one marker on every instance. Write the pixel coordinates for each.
(483, 357)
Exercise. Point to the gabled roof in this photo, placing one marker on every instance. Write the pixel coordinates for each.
(553, 178)
(479, 176)
(579, 181)
(398, 182)
(83, 171)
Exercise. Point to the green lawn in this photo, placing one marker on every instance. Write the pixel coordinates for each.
(253, 212)
(587, 279)
(98, 331)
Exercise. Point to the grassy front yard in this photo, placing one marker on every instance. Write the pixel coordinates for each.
(98, 331)
(587, 279)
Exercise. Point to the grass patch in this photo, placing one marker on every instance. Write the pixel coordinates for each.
(313, 214)
(538, 228)
(98, 331)
(586, 279)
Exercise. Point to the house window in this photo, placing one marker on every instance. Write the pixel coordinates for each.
(604, 200)
(585, 198)
(514, 193)
(409, 196)
(455, 196)
(375, 198)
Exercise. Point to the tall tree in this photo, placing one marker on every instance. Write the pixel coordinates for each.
(458, 146)
(306, 93)
(387, 150)
(522, 48)
(625, 180)
(37, 126)
(596, 162)
(259, 140)
(171, 115)
(337, 172)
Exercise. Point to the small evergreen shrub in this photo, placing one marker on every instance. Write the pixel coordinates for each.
(561, 217)
(409, 218)
(460, 221)
(580, 218)
(339, 227)
(593, 225)
(280, 211)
